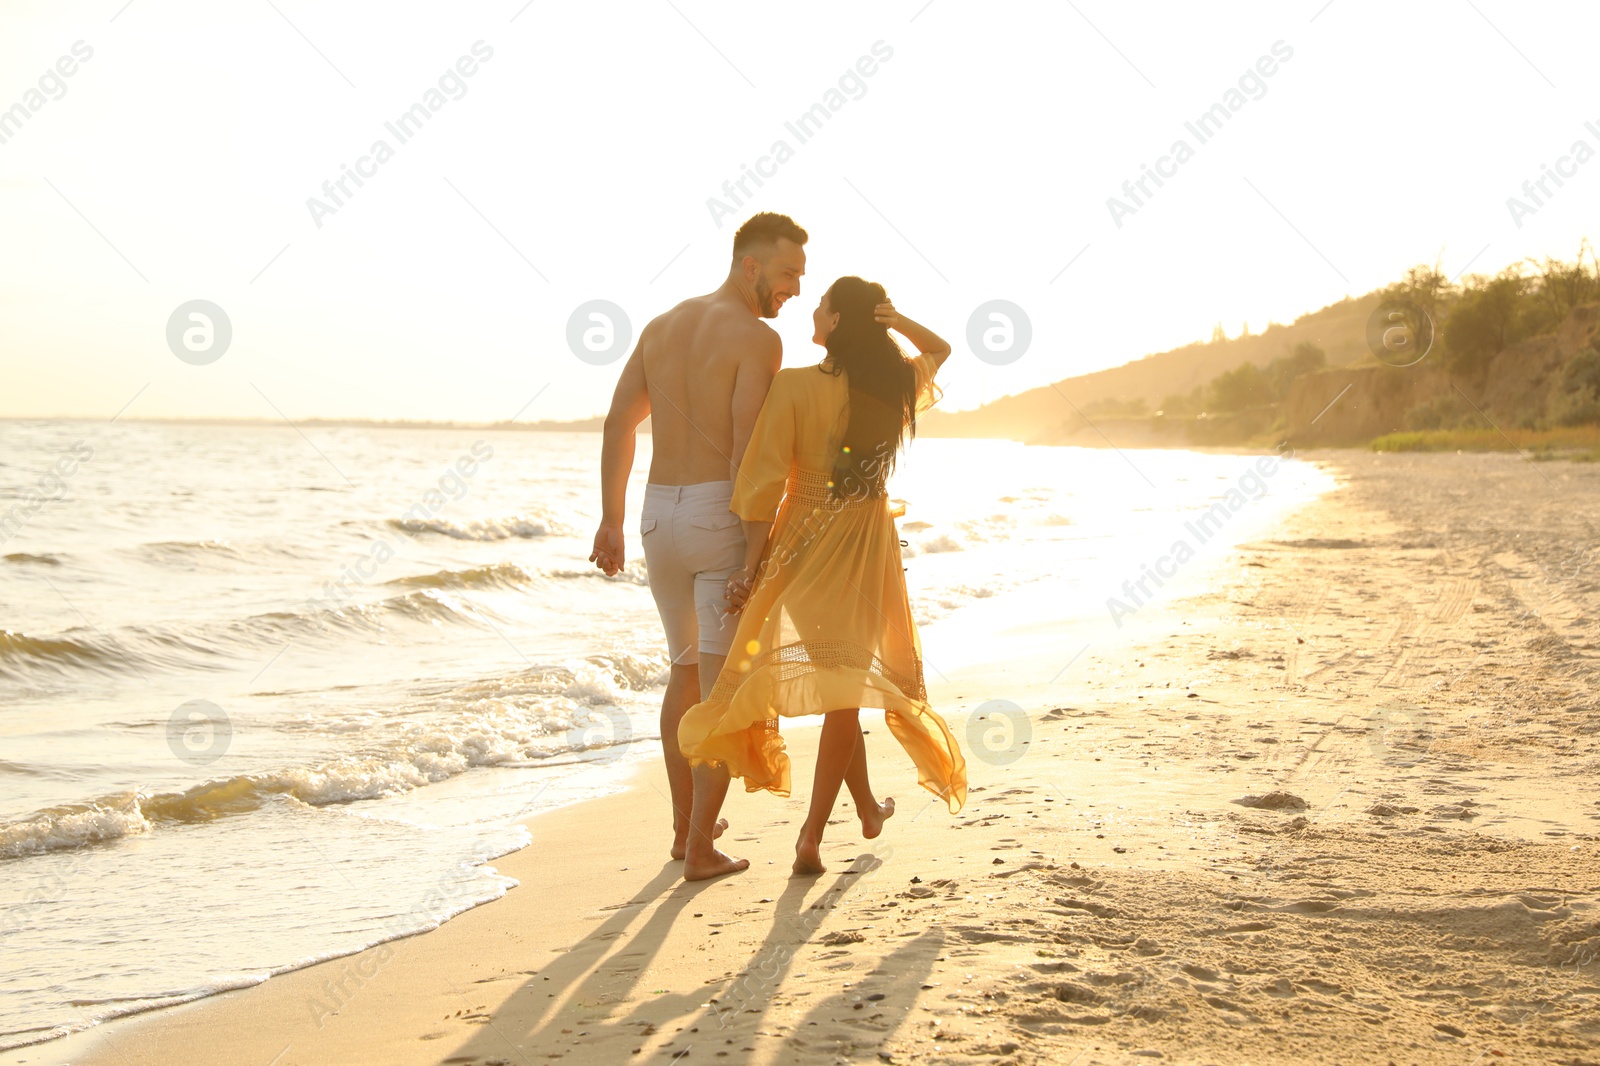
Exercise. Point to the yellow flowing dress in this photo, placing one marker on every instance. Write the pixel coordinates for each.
(828, 624)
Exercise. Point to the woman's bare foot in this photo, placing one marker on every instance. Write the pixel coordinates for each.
(872, 820)
(680, 842)
(808, 856)
(703, 868)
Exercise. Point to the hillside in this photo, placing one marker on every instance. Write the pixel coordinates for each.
(1515, 390)
(1338, 329)
(1425, 357)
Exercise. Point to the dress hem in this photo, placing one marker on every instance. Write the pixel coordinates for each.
(742, 733)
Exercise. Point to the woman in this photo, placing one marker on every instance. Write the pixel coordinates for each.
(825, 623)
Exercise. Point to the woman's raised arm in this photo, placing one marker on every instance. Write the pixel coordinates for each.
(927, 341)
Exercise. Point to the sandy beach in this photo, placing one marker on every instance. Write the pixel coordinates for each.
(1338, 809)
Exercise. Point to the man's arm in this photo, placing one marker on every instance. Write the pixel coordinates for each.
(751, 383)
(630, 405)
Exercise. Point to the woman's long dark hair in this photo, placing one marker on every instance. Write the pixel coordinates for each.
(883, 389)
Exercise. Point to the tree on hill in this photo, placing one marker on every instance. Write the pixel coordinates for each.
(1560, 287)
(1579, 398)
(1484, 320)
(1305, 358)
(1491, 313)
(1425, 287)
(1242, 387)
(1248, 385)
(1184, 405)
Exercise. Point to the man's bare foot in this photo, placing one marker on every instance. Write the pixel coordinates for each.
(680, 844)
(872, 820)
(808, 857)
(698, 868)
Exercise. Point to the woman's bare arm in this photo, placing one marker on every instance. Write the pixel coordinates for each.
(927, 341)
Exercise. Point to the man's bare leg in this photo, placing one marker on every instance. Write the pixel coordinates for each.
(710, 667)
(841, 740)
(703, 859)
(683, 688)
(872, 813)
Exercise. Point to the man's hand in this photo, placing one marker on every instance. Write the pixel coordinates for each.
(608, 554)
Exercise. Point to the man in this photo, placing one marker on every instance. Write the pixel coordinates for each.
(700, 372)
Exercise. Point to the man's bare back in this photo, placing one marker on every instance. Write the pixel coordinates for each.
(693, 358)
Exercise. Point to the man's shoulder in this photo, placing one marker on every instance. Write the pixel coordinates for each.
(763, 340)
(694, 305)
(746, 341)
(737, 322)
(708, 314)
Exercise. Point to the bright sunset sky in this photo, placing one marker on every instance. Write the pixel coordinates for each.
(576, 162)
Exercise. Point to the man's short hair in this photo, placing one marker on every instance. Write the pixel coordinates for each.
(762, 232)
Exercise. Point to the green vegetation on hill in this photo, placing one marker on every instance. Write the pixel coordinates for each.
(1488, 351)
(1247, 385)
(1481, 318)
(1579, 400)
(1485, 315)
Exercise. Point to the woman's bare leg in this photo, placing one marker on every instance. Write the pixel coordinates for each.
(838, 747)
(872, 813)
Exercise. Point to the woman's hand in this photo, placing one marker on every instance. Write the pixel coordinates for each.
(737, 590)
(743, 581)
(927, 341)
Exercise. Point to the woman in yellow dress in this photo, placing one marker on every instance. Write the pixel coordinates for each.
(825, 624)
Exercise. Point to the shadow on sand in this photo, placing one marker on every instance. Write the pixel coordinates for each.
(586, 1006)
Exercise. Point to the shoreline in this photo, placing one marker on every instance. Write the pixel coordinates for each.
(1414, 872)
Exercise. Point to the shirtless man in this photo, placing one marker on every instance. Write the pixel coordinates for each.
(701, 372)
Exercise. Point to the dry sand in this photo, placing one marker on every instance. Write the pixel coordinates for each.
(1404, 677)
